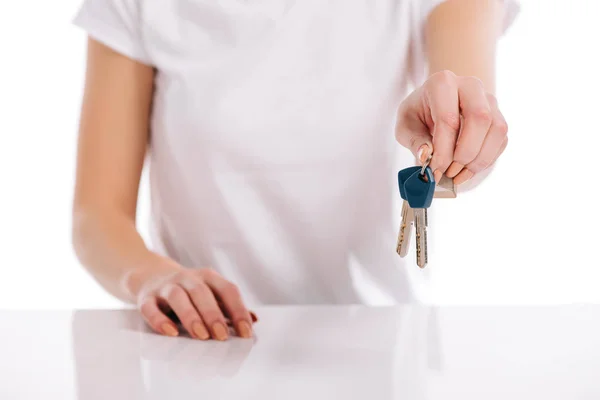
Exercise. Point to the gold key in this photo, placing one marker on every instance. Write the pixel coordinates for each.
(445, 189)
(421, 236)
(405, 231)
(418, 217)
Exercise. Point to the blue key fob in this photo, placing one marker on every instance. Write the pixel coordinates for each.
(403, 175)
(419, 189)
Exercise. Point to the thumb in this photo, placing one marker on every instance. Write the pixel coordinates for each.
(412, 134)
(424, 152)
(418, 141)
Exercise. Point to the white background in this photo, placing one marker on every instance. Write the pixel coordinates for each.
(527, 235)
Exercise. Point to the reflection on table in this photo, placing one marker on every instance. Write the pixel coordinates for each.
(328, 352)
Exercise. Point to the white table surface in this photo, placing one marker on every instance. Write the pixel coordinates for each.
(406, 352)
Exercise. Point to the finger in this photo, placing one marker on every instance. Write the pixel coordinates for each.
(463, 176)
(155, 318)
(492, 144)
(230, 296)
(467, 174)
(180, 302)
(424, 152)
(502, 148)
(454, 169)
(253, 316)
(207, 306)
(477, 120)
(442, 98)
(411, 132)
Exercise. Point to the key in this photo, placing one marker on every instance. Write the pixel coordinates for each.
(421, 236)
(419, 189)
(445, 189)
(403, 175)
(405, 231)
(406, 222)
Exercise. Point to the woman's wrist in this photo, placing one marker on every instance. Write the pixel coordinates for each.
(137, 277)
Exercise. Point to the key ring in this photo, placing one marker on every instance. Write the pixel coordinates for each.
(426, 164)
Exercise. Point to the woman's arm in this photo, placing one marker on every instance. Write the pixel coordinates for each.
(454, 113)
(462, 36)
(112, 147)
(111, 150)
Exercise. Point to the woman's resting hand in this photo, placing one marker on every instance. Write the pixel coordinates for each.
(202, 300)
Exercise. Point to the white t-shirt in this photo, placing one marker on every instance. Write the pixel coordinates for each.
(272, 153)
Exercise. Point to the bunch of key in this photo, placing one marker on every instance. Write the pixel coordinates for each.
(417, 189)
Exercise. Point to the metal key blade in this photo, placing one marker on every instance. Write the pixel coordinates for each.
(421, 236)
(405, 230)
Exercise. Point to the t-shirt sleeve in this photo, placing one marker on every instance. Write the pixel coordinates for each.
(418, 63)
(116, 24)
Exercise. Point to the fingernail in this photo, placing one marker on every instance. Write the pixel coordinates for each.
(200, 331)
(437, 175)
(464, 176)
(253, 316)
(169, 329)
(244, 329)
(422, 154)
(219, 331)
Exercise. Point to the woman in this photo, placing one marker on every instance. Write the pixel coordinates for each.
(269, 131)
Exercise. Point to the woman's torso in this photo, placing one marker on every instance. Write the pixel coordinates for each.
(272, 154)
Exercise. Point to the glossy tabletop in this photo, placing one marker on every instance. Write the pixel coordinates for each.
(405, 352)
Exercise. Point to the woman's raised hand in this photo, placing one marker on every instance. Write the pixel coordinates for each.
(459, 121)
